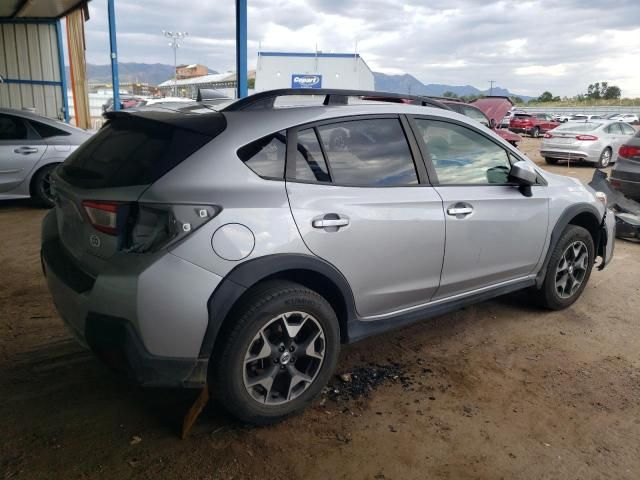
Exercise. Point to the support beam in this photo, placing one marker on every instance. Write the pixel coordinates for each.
(115, 81)
(63, 76)
(241, 48)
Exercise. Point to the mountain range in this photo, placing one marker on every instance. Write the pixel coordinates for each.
(411, 85)
(155, 73)
(152, 73)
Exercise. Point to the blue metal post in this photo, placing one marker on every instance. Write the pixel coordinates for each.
(114, 55)
(241, 48)
(63, 76)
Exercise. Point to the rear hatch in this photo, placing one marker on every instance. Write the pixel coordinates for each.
(98, 186)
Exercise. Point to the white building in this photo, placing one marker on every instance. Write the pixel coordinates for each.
(312, 70)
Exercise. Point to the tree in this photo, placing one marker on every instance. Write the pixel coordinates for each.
(545, 97)
(450, 94)
(517, 100)
(612, 93)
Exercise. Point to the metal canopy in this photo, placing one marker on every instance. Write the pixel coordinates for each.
(40, 9)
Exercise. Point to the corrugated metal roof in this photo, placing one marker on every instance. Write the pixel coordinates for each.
(19, 9)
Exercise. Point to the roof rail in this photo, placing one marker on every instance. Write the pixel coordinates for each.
(265, 100)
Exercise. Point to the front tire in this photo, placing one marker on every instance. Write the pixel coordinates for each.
(278, 355)
(569, 269)
(550, 161)
(535, 133)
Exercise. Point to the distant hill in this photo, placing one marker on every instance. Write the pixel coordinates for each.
(409, 84)
(153, 73)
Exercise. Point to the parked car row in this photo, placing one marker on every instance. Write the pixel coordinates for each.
(620, 117)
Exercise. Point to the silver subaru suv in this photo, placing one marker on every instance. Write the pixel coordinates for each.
(238, 246)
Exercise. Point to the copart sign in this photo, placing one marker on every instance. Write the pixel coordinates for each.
(299, 80)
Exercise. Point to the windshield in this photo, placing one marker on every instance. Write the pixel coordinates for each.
(578, 127)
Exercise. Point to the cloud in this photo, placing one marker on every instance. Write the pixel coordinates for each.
(527, 46)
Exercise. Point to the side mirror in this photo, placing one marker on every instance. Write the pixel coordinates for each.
(492, 123)
(524, 175)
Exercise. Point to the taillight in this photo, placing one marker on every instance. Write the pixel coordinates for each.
(629, 151)
(548, 135)
(586, 137)
(103, 215)
(151, 227)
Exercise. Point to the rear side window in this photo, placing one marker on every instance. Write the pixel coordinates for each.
(627, 129)
(461, 156)
(614, 129)
(372, 152)
(12, 128)
(47, 131)
(266, 156)
(130, 151)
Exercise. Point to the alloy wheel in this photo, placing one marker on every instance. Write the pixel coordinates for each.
(605, 158)
(284, 358)
(572, 269)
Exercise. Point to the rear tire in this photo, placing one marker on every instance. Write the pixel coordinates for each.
(550, 161)
(568, 270)
(535, 133)
(277, 355)
(605, 158)
(41, 187)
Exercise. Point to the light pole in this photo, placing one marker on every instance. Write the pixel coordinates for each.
(491, 82)
(176, 38)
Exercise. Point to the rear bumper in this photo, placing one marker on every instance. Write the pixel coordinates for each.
(567, 155)
(521, 129)
(144, 316)
(628, 187)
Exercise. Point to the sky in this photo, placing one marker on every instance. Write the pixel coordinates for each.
(525, 46)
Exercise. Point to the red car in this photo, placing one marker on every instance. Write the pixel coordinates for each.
(535, 124)
(489, 111)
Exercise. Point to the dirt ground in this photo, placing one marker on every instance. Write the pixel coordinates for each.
(497, 390)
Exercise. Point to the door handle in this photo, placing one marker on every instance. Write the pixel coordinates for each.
(331, 221)
(25, 150)
(460, 210)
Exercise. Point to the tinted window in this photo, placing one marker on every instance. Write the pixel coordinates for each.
(46, 131)
(368, 152)
(462, 156)
(266, 156)
(614, 129)
(310, 163)
(627, 129)
(12, 128)
(130, 151)
(522, 115)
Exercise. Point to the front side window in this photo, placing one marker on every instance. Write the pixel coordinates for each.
(371, 152)
(266, 156)
(462, 156)
(12, 128)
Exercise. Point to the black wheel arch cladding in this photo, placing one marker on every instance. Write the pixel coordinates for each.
(581, 214)
(307, 270)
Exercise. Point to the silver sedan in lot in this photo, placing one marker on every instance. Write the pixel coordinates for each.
(595, 141)
(31, 146)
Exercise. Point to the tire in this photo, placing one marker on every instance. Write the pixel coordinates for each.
(605, 158)
(535, 133)
(40, 187)
(550, 161)
(553, 295)
(259, 331)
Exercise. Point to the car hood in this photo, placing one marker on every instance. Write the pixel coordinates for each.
(494, 107)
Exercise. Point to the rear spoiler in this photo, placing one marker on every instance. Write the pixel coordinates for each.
(210, 123)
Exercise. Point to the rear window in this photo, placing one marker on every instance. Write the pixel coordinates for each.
(130, 151)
